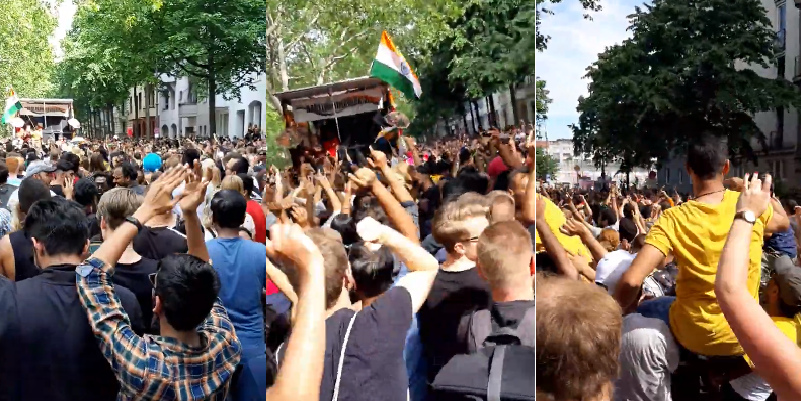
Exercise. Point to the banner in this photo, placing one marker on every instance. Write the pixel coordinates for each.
(342, 104)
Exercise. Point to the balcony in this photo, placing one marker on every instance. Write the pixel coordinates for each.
(187, 110)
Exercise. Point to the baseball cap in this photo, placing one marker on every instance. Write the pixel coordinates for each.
(40, 166)
(788, 278)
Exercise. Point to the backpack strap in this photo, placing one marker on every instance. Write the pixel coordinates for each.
(480, 329)
(496, 374)
(524, 334)
(342, 358)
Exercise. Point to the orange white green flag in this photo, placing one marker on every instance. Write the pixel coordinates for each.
(12, 107)
(391, 67)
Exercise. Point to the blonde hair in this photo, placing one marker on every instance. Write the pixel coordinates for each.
(449, 226)
(504, 255)
(610, 236)
(118, 204)
(232, 183)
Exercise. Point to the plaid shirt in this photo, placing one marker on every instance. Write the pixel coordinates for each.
(155, 367)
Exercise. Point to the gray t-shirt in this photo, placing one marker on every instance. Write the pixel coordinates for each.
(648, 356)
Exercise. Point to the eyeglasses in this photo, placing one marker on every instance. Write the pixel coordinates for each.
(471, 239)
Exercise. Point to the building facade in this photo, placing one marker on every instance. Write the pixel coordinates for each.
(575, 170)
(176, 110)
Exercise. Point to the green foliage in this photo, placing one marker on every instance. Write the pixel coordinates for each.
(494, 44)
(545, 164)
(543, 102)
(676, 79)
(311, 43)
(26, 57)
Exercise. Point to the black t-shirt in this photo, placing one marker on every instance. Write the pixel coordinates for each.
(373, 368)
(134, 276)
(452, 295)
(159, 242)
(9, 332)
(59, 358)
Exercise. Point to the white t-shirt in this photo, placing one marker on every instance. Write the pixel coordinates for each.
(611, 268)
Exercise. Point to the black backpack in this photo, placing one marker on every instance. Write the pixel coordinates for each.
(500, 368)
(5, 194)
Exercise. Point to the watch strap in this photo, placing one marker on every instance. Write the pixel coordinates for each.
(135, 222)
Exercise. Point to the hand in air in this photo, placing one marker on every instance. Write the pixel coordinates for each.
(755, 195)
(370, 230)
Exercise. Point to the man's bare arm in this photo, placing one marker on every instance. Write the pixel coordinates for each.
(648, 259)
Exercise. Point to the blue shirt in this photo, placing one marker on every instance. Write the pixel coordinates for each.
(783, 242)
(242, 268)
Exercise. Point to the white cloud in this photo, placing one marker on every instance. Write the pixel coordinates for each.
(574, 45)
(65, 13)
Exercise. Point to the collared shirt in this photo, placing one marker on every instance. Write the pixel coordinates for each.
(155, 367)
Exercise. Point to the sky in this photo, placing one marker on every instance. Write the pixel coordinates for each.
(65, 13)
(574, 45)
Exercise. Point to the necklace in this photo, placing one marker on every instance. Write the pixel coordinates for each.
(710, 193)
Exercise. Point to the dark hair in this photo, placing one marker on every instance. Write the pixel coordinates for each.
(228, 209)
(188, 288)
(247, 183)
(370, 207)
(3, 173)
(128, 171)
(189, 157)
(86, 192)
(346, 227)
(30, 191)
(97, 162)
(706, 157)
(241, 165)
(60, 225)
(373, 271)
(64, 165)
(73, 160)
(473, 181)
(607, 215)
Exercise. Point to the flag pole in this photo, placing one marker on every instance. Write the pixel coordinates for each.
(334, 105)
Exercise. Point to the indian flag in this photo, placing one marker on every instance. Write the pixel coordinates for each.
(12, 107)
(390, 67)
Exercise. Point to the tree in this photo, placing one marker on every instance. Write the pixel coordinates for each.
(26, 57)
(542, 102)
(546, 165)
(219, 43)
(310, 43)
(494, 44)
(677, 78)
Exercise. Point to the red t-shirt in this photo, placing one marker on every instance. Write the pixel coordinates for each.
(259, 221)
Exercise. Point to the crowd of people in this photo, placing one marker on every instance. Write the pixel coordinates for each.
(645, 295)
(128, 270)
(393, 271)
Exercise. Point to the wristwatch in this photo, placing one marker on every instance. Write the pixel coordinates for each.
(135, 222)
(746, 215)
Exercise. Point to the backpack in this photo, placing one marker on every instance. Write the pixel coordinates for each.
(5, 194)
(499, 367)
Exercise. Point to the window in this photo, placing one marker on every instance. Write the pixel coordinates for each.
(780, 67)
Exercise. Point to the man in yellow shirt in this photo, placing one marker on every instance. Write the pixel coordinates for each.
(694, 233)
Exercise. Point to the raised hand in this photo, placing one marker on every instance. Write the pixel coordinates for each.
(363, 178)
(159, 197)
(371, 230)
(755, 195)
(289, 241)
(195, 189)
(377, 159)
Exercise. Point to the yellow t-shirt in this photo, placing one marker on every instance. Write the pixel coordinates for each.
(788, 327)
(695, 233)
(556, 219)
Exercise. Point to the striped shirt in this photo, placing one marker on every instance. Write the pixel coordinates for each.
(155, 367)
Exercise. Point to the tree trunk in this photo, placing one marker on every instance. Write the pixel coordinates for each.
(473, 118)
(464, 121)
(158, 113)
(478, 116)
(493, 119)
(628, 185)
(513, 100)
(212, 103)
(281, 54)
(136, 113)
(148, 132)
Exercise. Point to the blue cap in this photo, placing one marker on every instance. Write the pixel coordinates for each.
(151, 163)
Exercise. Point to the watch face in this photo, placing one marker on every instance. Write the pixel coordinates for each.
(749, 216)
